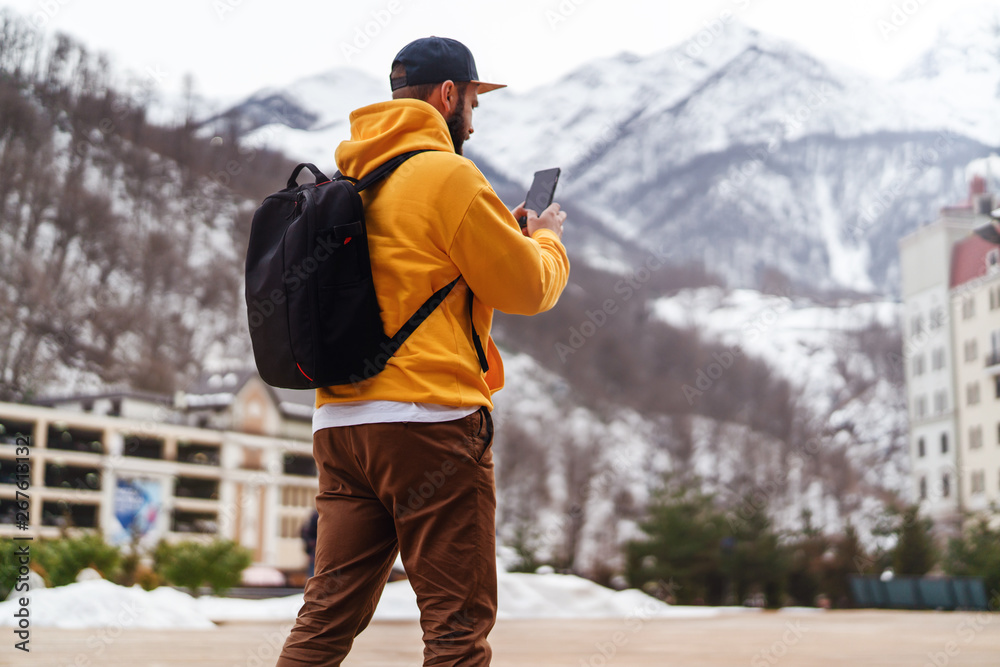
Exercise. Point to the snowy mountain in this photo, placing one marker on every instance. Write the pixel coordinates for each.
(753, 155)
(143, 234)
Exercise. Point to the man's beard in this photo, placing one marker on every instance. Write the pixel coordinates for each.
(456, 123)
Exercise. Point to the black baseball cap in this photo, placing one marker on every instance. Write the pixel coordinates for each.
(436, 60)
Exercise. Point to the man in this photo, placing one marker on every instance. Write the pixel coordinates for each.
(404, 457)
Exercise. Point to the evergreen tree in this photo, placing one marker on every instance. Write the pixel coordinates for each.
(976, 553)
(681, 556)
(754, 561)
(915, 553)
(807, 569)
(850, 559)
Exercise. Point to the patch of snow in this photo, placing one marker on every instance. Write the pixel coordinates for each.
(99, 603)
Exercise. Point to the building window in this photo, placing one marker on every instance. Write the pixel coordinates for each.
(916, 325)
(940, 402)
(996, 389)
(971, 350)
(995, 298)
(968, 307)
(923, 488)
(937, 359)
(975, 437)
(918, 365)
(944, 443)
(921, 448)
(945, 485)
(972, 393)
(920, 406)
(994, 356)
(936, 320)
(978, 482)
(993, 260)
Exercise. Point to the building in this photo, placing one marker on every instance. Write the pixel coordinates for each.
(240, 468)
(945, 284)
(975, 288)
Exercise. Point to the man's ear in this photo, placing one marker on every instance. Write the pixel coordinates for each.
(449, 97)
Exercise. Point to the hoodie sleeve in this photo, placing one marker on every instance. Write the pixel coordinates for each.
(505, 269)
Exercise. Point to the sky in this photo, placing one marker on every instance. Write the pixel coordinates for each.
(235, 47)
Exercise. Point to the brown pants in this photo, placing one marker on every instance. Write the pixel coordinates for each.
(426, 491)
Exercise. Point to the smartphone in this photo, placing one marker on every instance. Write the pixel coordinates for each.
(540, 194)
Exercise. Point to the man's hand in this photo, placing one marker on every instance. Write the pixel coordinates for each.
(551, 218)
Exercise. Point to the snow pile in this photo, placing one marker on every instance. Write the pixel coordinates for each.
(99, 603)
(566, 596)
(92, 604)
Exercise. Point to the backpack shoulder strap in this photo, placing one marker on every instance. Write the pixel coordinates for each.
(435, 299)
(386, 168)
(425, 310)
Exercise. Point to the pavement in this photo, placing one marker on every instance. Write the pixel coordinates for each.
(799, 638)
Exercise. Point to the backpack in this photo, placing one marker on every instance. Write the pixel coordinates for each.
(311, 305)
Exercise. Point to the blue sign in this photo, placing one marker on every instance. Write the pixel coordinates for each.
(137, 503)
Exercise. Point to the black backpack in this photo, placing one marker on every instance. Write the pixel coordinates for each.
(311, 305)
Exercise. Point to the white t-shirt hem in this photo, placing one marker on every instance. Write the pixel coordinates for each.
(330, 415)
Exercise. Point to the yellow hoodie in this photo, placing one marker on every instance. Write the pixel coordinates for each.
(432, 219)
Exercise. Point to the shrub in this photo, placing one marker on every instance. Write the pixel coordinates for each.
(217, 564)
(181, 564)
(59, 561)
(225, 561)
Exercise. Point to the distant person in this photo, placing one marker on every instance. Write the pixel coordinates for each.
(404, 458)
(309, 540)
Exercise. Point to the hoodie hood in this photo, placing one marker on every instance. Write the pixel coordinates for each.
(380, 132)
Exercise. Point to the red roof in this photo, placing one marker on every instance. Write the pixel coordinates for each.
(968, 260)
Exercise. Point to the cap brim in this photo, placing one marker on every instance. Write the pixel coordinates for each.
(483, 87)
